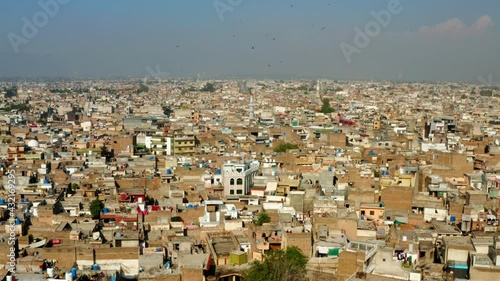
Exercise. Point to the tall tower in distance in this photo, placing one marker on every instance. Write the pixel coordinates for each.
(251, 109)
(318, 88)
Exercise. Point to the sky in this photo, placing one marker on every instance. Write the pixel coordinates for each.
(446, 40)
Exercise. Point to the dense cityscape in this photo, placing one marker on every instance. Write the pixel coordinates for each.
(233, 140)
(193, 180)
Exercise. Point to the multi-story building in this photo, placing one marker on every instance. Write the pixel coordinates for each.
(238, 177)
(184, 143)
(161, 145)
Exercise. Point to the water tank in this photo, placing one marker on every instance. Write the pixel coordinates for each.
(382, 205)
(218, 172)
(452, 219)
(404, 238)
(330, 168)
(18, 221)
(169, 172)
(151, 177)
(68, 276)
(105, 210)
(362, 217)
(96, 267)
(113, 277)
(50, 272)
(33, 143)
(167, 265)
(189, 206)
(2, 201)
(9, 277)
(73, 272)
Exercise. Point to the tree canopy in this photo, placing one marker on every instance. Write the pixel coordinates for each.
(209, 87)
(95, 207)
(326, 108)
(278, 265)
(285, 146)
(262, 218)
(11, 92)
(142, 88)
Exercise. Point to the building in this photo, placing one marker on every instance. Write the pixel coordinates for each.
(238, 178)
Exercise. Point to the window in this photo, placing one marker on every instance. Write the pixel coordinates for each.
(239, 181)
(231, 191)
(231, 182)
(372, 213)
(239, 191)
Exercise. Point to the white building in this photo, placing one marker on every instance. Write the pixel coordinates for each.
(238, 178)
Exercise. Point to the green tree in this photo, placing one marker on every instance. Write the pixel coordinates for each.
(12, 92)
(142, 88)
(95, 207)
(278, 265)
(209, 87)
(326, 108)
(262, 218)
(285, 146)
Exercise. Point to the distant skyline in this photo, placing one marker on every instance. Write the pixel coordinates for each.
(448, 40)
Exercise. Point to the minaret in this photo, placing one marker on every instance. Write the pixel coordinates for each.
(251, 109)
(317, 88)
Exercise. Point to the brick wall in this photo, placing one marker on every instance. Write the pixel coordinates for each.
(397, 198)
(303, 241)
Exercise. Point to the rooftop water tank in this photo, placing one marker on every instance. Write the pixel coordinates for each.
(2, 201)
(68, 276)
(452, 219)
(96, 267)
(33, 143)
(50, 272)
(73, 272)
(169, 172)
(218, 172)
(105, 210)
(330, 168)
(18, 221)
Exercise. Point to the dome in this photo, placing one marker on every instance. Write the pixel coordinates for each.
(33, 143)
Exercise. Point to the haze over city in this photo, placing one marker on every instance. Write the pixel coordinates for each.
(426, 40)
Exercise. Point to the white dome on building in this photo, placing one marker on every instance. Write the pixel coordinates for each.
(33, 143)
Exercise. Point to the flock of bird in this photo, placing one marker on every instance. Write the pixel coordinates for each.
(274, 38)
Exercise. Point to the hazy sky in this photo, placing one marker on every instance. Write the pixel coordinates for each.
(425, 40)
